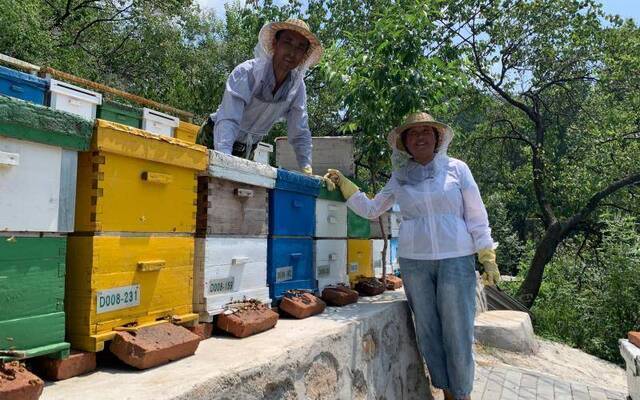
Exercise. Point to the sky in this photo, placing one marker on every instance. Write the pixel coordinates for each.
(624, 8)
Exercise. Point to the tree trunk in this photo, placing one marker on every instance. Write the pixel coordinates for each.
(545, 250)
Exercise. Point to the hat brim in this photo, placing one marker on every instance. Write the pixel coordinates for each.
(394, 138)
(268, 34)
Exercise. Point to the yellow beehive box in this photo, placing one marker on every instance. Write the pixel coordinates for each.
(135, 181)
(187, 132)
(117, 283)
(359, 259)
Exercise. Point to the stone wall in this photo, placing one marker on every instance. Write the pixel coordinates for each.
(370, 358)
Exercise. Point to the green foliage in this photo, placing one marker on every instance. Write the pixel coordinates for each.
(589, 297)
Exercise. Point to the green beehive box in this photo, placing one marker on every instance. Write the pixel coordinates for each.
(120, 113)
(32, 276)
(334, 195)
(358, 227)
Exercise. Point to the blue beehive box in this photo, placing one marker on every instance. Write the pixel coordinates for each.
(290, 266)
(292, 205)
(22, 86)
(393, 253)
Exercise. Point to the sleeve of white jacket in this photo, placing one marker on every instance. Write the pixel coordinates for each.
(475, 214)
(372, 208)
(298, 132)
(237, 95)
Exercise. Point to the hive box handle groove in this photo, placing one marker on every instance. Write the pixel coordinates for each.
(243, 192)
(239, 260)
(151, 265)
(157, 177)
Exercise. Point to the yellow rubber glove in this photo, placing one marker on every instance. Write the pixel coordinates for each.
(307, 170)
(347, 187)
(487, 258)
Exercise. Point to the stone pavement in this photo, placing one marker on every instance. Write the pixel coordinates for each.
(509, 383)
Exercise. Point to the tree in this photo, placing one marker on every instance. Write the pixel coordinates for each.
(548, 63)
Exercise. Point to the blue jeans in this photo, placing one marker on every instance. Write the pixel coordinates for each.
(442, 297)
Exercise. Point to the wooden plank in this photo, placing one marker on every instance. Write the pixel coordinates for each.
(231, 208)
(511, 385)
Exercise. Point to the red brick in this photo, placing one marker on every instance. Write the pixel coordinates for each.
(393, 282)
(203, 329)
(16, 383)
(302, 305)
(248, 322)
(634, 338)
(369, 287)
(339, 296)
(154, 345)
(78, 363)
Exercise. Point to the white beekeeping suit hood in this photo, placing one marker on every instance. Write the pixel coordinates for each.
(264, 48)
(401, 161)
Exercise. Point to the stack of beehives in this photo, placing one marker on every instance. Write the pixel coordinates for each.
(292, 205)
(38, 153)
(231, 249)
(131, 258)
(391, 226)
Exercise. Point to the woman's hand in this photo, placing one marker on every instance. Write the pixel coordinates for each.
(347, 187)
(491, 275)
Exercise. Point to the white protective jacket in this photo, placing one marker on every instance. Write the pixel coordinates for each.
(443, 215)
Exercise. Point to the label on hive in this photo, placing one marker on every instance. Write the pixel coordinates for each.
(353, 267)
(224, 285)
(284, 274)
(117, 298)
(323, 271)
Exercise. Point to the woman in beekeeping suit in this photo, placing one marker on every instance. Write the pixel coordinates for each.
(444, 224)
(261, 91)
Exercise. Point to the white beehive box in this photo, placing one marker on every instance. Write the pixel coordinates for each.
(238, 169)
(330, 262)
(226, 270)
(378, 245)
(262, 152)
(631, 355)
(395, 220)
(73, 99)
(37, 187)
(331, 219)
(159, 123)
(328, 152)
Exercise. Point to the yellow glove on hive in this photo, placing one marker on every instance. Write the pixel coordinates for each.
(487, 258)
(347, 187)
(307, 170)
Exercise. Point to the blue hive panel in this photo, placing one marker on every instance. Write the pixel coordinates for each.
(290, 266)
(291, 214)
(22, 86)
(297, 182)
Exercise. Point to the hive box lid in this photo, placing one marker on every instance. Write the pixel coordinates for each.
(131, 142)
(75, 92)
(21, 77)
(238, 169)
(120, 108)
(297, 182)
(153, 115)
(328, 152)
(27, 121)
